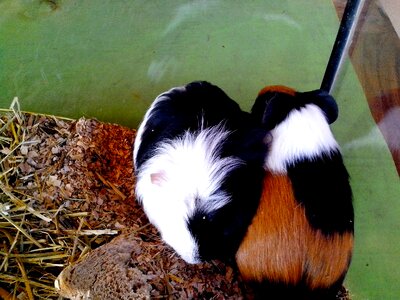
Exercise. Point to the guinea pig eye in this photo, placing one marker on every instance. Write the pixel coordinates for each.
(199, 223)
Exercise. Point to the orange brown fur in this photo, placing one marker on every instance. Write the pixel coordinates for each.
(281, 247)
(277, 89)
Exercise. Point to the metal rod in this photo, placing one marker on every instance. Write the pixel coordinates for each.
(342, 43)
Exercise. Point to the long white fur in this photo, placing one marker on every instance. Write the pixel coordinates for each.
(305, 133)
(184, 174)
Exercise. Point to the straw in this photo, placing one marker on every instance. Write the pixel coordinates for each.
(40, 238)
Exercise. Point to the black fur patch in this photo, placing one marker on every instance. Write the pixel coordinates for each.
(321, 184)
(325, 101)
(220, 232)
(184, 110)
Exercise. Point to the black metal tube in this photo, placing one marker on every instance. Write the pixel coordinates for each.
(342, 43)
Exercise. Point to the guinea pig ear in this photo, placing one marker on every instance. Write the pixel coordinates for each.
(326, 102)
(159, 178)
(271, 108)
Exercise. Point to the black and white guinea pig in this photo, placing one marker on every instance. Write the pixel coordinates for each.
(199, 170)
(300, 241)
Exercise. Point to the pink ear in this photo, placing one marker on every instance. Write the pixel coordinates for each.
(158, 178)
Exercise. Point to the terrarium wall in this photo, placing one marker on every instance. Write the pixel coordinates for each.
(109, 59)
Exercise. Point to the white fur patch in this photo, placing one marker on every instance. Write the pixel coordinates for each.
(305, 133)
(184, 174)
(159, 98)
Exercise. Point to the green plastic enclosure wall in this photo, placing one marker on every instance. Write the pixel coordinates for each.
(109, 59)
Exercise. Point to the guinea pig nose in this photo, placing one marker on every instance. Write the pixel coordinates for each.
(190, 259)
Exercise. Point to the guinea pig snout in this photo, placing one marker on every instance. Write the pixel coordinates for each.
(182, 241)
(170, 218)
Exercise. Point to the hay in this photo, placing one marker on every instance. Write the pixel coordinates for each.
(48, 219)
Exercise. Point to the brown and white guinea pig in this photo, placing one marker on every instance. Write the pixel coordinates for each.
(199, 170)
(299, 244)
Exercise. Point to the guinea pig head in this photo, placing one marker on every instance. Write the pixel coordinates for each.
(274, 103)
(191, 191)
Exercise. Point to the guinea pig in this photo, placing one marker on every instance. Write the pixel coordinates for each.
(199, 170)
(299, 244)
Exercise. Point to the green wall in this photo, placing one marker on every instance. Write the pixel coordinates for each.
(110, 58)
